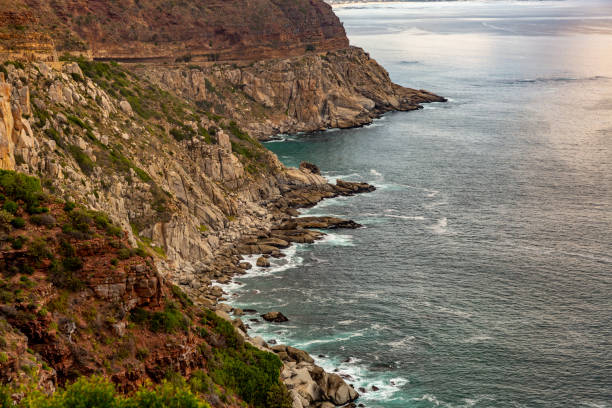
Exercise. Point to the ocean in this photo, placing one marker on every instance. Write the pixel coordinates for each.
(483, 274)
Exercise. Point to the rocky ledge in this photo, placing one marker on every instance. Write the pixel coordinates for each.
(308, 384)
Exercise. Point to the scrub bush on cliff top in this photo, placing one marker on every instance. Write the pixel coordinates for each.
(249, 372)
(97, 392)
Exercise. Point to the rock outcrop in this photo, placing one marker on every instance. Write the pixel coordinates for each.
(16, 136)
(336, 89)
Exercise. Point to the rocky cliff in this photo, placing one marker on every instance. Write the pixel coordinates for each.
(211, 194)
(169, 150)
(342, 88)
(147, 30)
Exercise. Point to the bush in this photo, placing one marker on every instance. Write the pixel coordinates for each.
(124, 254)
(63, 276)
(18, 186)
(80, 220)
(83, 160)
(253, 374)
(10, 206)
(78, 122)
(46, 220)
(38, 250)
(17, 242)
(168, 321)
(18, 222)
(5, 220)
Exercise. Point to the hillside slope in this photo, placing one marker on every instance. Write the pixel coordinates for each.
(202, 30)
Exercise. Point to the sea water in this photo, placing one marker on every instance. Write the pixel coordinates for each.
(483, 274)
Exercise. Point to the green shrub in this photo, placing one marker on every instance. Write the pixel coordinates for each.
(83, 160)
(182, 296)
(125, 164)
(18, 186)
(10, 206)
(18, 242)
(6, 400)
(253, 374)
(38, 250)
(69, 206)
(124, 253)
(63, 273)
(46, 220)
(81, 220)
(78, 122)
(18, 222)
(72, 263)
(5, 220)
(169, 320)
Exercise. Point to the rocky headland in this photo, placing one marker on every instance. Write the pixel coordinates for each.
(155, 184)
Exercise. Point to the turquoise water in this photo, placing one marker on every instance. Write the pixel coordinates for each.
(482, 277)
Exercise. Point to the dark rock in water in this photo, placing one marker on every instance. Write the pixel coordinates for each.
(245, 265)
(361, 405)
(349, 187)
(346, 377)
(254, 320)
(272, 341)
(263, 262)
(313, 168)
(336, 370)
(347, 360)
(276, 317)
(321, 356)
(362, 390)
(375, 388)
(325, 222)
(249, 310)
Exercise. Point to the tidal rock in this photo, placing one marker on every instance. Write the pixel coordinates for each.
(276, 317)
(263, 262)
(338, 391)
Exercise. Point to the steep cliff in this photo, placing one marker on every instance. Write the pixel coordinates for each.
(343, 88)
(211, 30)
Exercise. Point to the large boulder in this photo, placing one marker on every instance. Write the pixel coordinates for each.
(338, 391)
(263, 262)
(275, 317)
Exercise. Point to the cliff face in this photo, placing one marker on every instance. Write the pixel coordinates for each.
(343, 88)
(212, 30)
(192, 190)
(182, 181)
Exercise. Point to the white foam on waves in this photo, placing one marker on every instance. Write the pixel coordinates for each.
(336, 239)
(440, 227)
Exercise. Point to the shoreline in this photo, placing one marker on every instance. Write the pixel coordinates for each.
(309, 384)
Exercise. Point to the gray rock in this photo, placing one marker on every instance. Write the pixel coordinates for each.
(126, 107)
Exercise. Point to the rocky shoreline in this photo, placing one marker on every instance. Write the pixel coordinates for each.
(309, 384)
